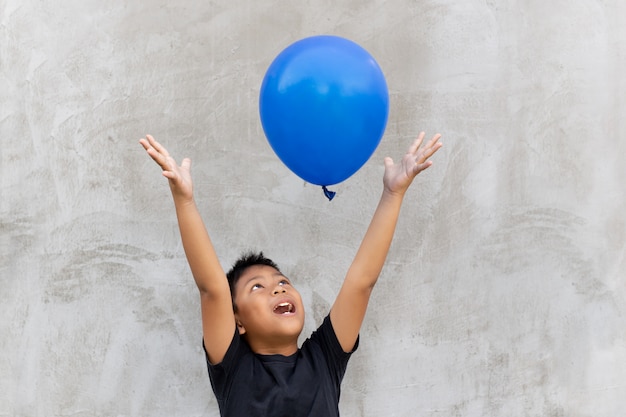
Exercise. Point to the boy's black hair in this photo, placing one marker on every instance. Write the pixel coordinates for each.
(244, 262)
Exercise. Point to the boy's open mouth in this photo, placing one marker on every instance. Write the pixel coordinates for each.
(284, 308)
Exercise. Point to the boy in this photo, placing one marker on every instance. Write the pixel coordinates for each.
(252, 316)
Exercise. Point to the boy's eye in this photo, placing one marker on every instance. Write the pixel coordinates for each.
(283, 282)
(256, 287)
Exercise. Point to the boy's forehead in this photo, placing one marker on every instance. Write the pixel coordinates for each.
(257, 272)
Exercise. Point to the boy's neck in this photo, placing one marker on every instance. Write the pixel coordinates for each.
(273, 347)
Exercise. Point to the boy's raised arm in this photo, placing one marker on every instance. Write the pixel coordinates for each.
(348, 311)
(218, 321)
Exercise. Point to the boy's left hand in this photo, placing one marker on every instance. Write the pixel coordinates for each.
(399, 176)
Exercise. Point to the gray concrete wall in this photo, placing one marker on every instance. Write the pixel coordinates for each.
(504, 292)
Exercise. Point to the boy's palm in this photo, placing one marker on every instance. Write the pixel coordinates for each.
(399, 176)
(179, 176)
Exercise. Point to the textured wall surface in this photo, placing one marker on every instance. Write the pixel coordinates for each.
(505, 289)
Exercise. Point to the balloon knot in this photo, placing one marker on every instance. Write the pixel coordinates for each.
(329, 194)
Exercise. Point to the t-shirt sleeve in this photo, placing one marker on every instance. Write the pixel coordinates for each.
(336, 358)
(218, 373)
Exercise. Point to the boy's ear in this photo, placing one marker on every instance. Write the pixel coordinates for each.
(242, 330)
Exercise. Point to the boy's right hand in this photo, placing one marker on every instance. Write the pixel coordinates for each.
(179, 177)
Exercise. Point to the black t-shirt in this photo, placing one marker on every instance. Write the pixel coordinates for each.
(306, 383)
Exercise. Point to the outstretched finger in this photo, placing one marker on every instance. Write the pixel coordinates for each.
(156, 156)
(156, 145)
(416, 143)
(422, 166)
(429, 150)
(186, 164)
(144, 142)
(433, 141)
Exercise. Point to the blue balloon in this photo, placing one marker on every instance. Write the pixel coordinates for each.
(324, 105)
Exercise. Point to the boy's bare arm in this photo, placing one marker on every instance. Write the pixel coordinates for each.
(218, 321)
(350, 306)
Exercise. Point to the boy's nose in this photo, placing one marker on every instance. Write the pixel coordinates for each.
(278, 290)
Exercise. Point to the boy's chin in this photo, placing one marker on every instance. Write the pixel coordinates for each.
(292, 330)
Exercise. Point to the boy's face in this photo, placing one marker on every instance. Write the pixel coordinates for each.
(269, 308)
